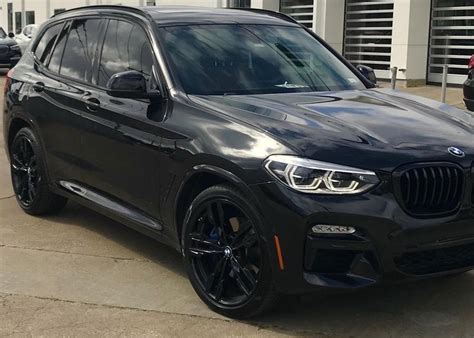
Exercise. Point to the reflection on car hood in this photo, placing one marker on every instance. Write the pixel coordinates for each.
(375, 129)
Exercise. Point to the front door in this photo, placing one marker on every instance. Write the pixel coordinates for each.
(119, 139)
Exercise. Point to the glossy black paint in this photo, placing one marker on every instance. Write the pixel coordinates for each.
(368, 72)
(468, 90)
(141, 160)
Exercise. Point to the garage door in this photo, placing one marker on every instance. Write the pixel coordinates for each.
(300, 10)
(451, 40)
(368, 34)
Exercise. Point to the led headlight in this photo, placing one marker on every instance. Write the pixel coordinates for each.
(316, 177)
(15, 48)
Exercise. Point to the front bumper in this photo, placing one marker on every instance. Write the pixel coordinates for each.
(388, 244)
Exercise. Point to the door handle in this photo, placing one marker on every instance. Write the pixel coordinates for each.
(92, 104)
(38, 87)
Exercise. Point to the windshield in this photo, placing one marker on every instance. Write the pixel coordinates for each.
(3, 35)
(253, 59)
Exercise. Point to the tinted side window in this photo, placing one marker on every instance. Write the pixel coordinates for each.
(126, 47)
(80, 49)
(45, 45)
(55, 61)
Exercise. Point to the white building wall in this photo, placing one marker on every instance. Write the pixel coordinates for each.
(410, 38)
(329, 23)
(3, 15)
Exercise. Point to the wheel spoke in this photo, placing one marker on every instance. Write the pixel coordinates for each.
(217, 276)
(220, 284)
(210, 215)
(244, 278)
(31, 191)
(202, 245)
(246, 237)
(17, 165)
(220, 213)
(24, 149)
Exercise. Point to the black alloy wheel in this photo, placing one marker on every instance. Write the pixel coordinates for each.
(25, 173)
(224, 255)
(29, 178)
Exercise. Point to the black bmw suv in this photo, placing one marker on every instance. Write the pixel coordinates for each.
(245, 142)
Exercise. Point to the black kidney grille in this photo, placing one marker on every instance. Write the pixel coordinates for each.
(431, 190)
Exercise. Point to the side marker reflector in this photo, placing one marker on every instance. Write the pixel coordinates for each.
(281, 264)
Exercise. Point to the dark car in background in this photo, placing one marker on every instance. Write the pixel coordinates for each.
(244, 141)
(10, 52)
(468, 87)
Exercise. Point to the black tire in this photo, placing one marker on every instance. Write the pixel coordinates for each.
(29, 176)
(470, 105)
(245, 288)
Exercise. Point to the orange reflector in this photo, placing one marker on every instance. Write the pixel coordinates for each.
(281, 264)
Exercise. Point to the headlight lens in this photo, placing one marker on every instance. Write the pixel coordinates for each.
(316, 177)
(15, 48)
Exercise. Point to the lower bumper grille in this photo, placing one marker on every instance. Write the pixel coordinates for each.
(437, 260)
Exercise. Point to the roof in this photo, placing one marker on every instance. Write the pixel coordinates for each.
(184, 15)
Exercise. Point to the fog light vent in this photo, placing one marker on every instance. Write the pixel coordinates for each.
(324, 229)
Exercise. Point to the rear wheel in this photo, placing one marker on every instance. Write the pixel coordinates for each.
(224, 254)
(29, 178)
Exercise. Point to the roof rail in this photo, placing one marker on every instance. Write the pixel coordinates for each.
(128, 8)
(278, 15)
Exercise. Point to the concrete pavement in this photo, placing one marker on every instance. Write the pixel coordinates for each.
(81, 274)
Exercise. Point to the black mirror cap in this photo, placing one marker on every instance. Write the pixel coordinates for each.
(130, 84)
(11, 35)
(368, 73)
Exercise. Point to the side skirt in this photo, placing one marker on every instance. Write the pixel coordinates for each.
(112, 208)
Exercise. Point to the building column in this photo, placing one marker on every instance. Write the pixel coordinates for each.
(23, 14)
(273, 5)
(329, 22)
(410, 40)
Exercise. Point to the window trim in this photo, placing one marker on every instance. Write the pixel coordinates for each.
(40, 36)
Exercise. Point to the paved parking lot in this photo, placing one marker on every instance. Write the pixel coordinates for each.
(81, 274)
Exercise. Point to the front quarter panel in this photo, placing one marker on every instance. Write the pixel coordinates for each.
(199, 140)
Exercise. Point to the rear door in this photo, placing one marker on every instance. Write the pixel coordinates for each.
(56, 92)
(58, 85)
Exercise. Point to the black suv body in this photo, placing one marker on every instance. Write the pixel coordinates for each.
(468, 86)
(245, 142)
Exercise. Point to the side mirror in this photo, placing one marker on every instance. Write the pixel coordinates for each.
(129, 84)
(11, 35)
(368, 73)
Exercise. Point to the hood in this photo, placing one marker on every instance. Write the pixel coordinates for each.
(370, 129)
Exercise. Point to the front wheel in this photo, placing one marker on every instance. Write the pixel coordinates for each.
(225, 256)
